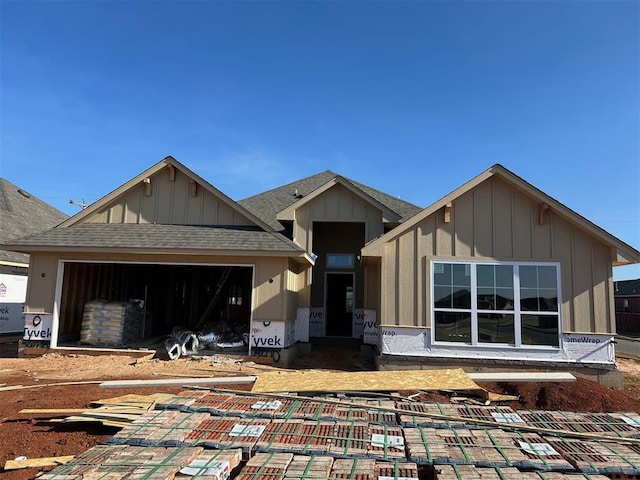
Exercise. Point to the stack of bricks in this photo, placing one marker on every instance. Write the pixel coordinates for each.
(152, 463)
(470, 472)
(266, 466)
(304, 467)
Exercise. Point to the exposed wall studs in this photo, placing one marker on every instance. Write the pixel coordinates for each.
(172, 173)
(147, 187)
(447, 212)
(193, 187)
(542, 213)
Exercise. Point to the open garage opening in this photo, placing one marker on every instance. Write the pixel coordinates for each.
(131, 305)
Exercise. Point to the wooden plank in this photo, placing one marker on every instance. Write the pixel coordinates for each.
(177, 382)
(310, 381)
(522, 377)
(55, 411)
(25, 387)
(37, 462)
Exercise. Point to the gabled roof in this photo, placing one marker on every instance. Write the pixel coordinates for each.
(23, 214)
(626, 254)
(268, 204)
(388, 214)
(164, 163)
(74, 234)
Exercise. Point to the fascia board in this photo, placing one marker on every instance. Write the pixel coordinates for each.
(624, 250)
(375, 245)
(135, 181)
(289, 212)
(301, 256)
(626, 254)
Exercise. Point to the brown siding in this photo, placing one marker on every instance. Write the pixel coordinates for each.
(335, 205)
(496, 221)
(43, 269)
(170, 202)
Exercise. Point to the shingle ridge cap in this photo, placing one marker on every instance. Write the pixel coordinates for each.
(360, 185)
(294, 182)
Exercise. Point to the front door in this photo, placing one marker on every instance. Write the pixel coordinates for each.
(339, 304)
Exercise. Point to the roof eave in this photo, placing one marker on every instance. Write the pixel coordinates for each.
(303, 256)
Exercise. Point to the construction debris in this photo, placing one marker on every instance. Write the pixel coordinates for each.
(245, 435)
(323, 381)
(37, 462)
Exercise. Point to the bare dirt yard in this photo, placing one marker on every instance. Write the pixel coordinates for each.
(33, 436)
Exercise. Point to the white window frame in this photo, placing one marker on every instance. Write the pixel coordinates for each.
(517, 312)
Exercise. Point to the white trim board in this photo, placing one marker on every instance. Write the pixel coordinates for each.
(522, 377)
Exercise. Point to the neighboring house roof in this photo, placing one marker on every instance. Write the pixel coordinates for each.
(268, 204)
(626, 254)
(627, 287)
(139, 237)
(22, 214)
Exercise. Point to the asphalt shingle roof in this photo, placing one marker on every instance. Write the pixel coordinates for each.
(266, 205)
(153, 236)
(22, 214)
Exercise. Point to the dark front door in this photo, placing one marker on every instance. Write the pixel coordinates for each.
(339, 304)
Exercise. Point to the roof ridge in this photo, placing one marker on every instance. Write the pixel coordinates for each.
(294, 182)
(360, 185)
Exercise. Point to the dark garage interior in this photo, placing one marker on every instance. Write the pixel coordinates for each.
(133, 305)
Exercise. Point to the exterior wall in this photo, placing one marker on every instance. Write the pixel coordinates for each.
(13, 291)
(372, 294)
(43, 270)
(496, 221)
(274, 285)
(170, 202)
(270, 281)
(337, 204)
(337, 238)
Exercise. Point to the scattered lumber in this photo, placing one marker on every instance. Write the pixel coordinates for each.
(178, 382)
(112, 412)
(37, 462)
(40, 385)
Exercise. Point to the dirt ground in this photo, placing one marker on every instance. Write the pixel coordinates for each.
(33, 436)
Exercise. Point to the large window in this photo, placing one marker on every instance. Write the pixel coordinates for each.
(507, 303)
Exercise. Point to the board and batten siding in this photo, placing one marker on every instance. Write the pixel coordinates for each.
(496, 221)
(169, 202)
(337, 204)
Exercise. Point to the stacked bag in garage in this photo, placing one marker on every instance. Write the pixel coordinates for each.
(111, 323)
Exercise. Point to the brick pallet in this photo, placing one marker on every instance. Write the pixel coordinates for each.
(622, 424)
(150, 463)
(470, 472)
(484, 448)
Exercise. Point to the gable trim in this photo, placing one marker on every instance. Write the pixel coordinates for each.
(625, 253)
(288, 213)
(170, 163)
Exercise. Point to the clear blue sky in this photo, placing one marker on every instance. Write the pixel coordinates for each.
(413, 98)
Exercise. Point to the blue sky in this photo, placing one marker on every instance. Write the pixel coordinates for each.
(411, 97)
